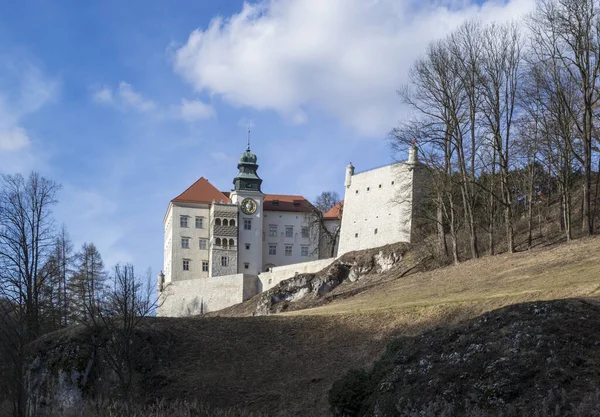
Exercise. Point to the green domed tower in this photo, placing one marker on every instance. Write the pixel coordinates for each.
(247, 179)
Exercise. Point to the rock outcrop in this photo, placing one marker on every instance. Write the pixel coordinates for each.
(537, 359)
(306, 290)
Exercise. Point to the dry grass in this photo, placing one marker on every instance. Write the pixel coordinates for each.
(285, 364)
(566, 270)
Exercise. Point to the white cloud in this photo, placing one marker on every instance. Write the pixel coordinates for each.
(124, 97)
(191, 110)
(134, 99)
(103, 95)
(343, 57)
(24, 89)
(13, 139)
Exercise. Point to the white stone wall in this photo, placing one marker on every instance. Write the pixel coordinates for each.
(280, 273)
(197, 296)
(281, 219)
(377, 208)
(174, 252)
(168, 244)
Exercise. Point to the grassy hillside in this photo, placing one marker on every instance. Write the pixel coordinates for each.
(285, 364)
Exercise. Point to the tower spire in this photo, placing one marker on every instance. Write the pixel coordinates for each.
(248, 139)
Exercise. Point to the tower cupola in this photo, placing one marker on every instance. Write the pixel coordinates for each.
(247, 179)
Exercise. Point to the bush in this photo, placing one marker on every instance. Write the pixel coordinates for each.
(348, 395)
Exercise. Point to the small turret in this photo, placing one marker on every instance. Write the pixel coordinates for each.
(413, 154)
(349, 174)
(161, 281)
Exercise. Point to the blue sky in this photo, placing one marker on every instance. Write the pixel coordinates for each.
(128, 103)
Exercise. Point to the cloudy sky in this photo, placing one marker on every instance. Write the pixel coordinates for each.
(128, 103)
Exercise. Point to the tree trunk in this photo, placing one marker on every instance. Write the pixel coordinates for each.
(442, 246)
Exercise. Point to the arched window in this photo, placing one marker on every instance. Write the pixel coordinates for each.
(217, 222)
(232, 243)
(224, 243)
(218, 241)
(231, 222)
(225, 222)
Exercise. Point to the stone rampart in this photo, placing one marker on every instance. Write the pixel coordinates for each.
(201, 295)
(279, 273)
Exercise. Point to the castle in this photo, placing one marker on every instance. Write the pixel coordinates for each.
(223, 247)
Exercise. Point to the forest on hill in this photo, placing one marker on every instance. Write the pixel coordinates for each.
(506, 117)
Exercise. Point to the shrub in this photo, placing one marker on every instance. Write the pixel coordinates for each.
(348, 395)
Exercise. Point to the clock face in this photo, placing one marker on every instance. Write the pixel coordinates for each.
(248, 206)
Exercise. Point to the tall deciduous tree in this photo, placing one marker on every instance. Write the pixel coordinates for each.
(26, 243)
(566, 35)
(326, 235)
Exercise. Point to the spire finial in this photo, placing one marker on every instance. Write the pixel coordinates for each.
(248, 138)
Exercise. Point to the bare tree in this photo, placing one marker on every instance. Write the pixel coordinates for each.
(26, 243)
(499, 81)
(566, 34)
(325, 232)
(126, 302)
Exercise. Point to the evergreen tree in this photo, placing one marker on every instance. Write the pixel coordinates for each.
(86, 285)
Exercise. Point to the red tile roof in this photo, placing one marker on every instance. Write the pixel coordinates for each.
(201, 191)
(282, 202)
(204, 192)
(335, 212)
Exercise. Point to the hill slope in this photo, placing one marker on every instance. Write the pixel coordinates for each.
(285, 364)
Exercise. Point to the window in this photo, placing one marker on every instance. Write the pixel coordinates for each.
(305, 231)
(379, 185)
(273, 230)
(272, 249)
(356, 191)
(199, 224)
(185, 242)
(224, 261)
(231, 243)
(375, 231)
(231, 222)
(186, 264)
(183, 221)
(204, 266)
(289, 231)
(246, 265)
(288, 250)
(247, 224)
(392, 182)
(217, 222)
(275, 202)
(247, 246)
(368, 188)
(355, 234)
(304, 250)
(202, 243)
(225, 222)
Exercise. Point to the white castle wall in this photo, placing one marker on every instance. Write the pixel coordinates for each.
(377, 208)
(174, 253)
(201, 295)
(281, 219)
(277, 274)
